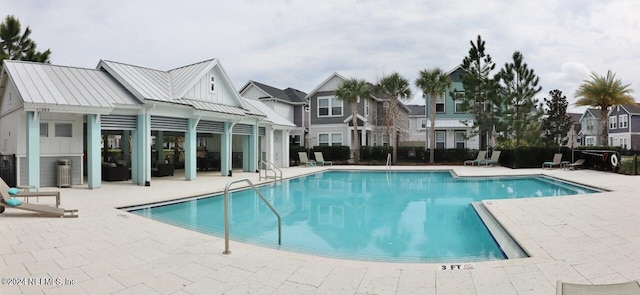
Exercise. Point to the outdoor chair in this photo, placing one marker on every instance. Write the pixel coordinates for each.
(575, 165)
(481, 157)
(495, 156)
(8, 197)
(320, 159)
(628, 288)
(304, 160)
(557, 161)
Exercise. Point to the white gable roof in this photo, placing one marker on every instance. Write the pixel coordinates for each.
(40, 84)
(331, 80)
(272, 116)
(171, 86)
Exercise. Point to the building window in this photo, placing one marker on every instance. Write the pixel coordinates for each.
(294, 140)
(44, 129)
(213, 84)
(329, 107)
(329, 139)
(459, 97)
(460, 137)
(624, 121)
(64, 130)
(613, 122)
(624, 143)
(589, 141)
(589, 125)
(440, 139)
(423, 124)
(440, 104)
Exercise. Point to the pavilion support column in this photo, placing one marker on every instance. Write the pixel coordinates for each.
(33, 149)
(94, 172)
(225, 150)
(141, 155)
(190, 150)
(286, 161)
(159, 147)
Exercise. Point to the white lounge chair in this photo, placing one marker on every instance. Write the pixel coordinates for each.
(557, 161)
(320, 159)
(495, 156)
(628, 288)
(13, 201)
(575, 165)
(304, 160)
(481, 157)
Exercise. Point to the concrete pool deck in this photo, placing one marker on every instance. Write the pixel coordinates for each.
(583, 239)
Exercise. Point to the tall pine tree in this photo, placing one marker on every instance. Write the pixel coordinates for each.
(556, 125)
(480, 96)
(520, 111)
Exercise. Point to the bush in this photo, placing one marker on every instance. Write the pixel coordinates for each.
(627, 165)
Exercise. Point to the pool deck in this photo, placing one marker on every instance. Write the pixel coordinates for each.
(584, 239)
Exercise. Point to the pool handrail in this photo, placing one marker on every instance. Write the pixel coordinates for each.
(268, 166)
(226, 212)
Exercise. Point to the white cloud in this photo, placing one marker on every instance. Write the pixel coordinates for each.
(299, 43)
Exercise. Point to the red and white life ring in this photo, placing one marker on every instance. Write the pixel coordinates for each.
(614, 160)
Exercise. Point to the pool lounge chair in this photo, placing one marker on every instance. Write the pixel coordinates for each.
(575, 165)
(557, 161)
(627, 288)
(495, 156)
(481, 157)
(320, 159)
(304, 160)
(13, 201)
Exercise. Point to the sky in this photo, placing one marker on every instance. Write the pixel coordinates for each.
(298, 44)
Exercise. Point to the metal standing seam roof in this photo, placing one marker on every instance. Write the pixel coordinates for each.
(40, 83)
(167, 86)
(271, 115)
(148, 83)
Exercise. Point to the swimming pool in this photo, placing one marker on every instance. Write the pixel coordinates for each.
(366, 215)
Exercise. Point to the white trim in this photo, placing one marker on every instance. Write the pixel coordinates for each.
(335, 74)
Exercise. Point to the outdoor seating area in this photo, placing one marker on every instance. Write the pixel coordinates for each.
(556, 162)
(304, 160)
(14, 198)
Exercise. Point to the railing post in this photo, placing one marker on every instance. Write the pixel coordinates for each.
(226, 213)
(226, 222)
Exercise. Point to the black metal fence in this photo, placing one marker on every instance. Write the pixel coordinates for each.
(8, 169)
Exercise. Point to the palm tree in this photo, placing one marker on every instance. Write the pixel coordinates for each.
(604, 92)
(16, 46)
(395, 88)
(433, 82)
(351, 91)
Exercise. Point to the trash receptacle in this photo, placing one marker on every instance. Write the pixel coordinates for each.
(64, 173)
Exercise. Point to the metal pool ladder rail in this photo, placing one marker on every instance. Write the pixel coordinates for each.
(226, 212)
(268, 166)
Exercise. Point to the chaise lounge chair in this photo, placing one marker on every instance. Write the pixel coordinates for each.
(8, 197)
(575, 165)
(320, 159)
(495, 156)
(628, 288)
(481, 157)
(304, 160)
(557, 161)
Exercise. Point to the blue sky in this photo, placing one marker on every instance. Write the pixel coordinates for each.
(298, 44)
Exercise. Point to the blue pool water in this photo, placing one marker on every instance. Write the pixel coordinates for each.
(375, 215)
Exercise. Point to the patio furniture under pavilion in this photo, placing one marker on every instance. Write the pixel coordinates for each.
(49, 112)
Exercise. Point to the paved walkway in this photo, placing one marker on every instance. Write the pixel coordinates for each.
(585, 238)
